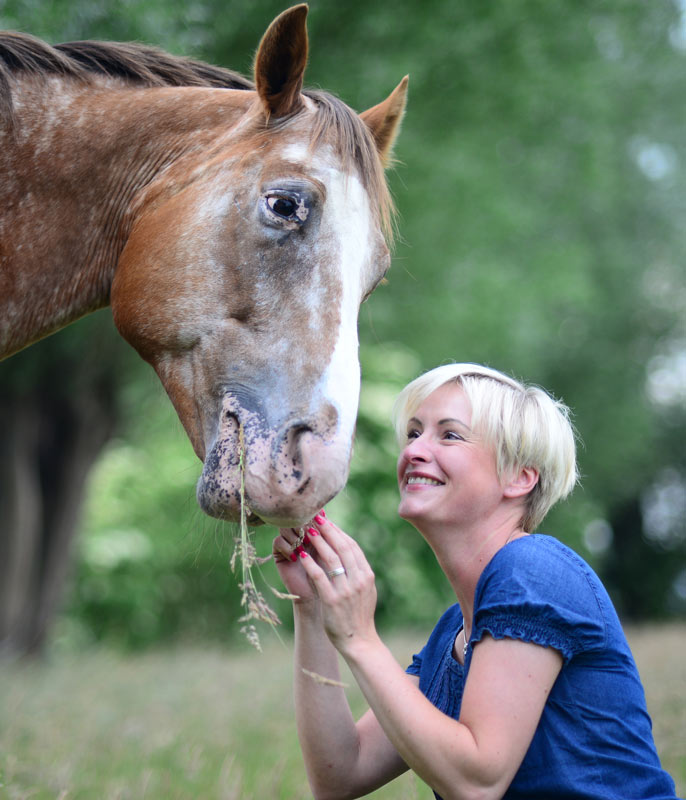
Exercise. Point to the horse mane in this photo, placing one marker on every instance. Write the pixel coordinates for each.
(137, 63)
(146, 66)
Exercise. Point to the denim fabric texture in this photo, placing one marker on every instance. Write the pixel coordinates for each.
(594, 740)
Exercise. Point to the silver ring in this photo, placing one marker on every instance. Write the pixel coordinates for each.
(337, 571)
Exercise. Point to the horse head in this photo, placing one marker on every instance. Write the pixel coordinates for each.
(242, 277)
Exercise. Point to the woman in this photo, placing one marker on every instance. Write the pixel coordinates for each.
(526, 688)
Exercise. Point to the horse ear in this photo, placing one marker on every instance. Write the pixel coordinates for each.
(280, 62)
(384, 119)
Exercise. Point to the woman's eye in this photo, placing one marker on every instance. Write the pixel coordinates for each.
(412, 434)
(452, 436)
(282, 206)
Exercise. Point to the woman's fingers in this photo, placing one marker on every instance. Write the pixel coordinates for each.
(330, 556)
(327, 589)
(288, 544)
(294, 536)
(348, 599)
(332, 550)
(349, 552)
(315, 573)
(292, 574)
(282, 548)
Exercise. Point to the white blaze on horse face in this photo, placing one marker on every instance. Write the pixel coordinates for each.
(348, 220)
(352, 215)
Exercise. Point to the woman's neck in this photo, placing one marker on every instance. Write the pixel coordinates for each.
(464, 554)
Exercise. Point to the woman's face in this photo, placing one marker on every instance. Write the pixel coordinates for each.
(446, 474)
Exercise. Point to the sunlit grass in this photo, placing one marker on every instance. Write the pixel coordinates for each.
(191, 723)
(185, 723)
(661, 657)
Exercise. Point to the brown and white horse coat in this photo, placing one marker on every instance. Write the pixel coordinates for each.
(234, 231)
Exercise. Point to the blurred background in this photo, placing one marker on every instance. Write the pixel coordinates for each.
(540, 184)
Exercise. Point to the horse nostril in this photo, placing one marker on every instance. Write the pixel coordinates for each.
(292, 439)
(297, 429)
(289, 445)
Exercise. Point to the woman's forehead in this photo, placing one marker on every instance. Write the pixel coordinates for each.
(448, 401)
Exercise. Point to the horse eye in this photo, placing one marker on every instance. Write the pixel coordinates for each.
(283, 206)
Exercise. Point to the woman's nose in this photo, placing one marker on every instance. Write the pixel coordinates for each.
(416, 450)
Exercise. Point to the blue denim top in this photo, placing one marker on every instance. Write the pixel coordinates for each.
(594, 740)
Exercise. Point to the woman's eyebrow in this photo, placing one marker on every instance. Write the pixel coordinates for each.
(453, 420)
(446, 421)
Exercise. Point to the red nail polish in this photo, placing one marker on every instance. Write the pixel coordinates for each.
(318, 519)
(323, 513)
(306, 539)
(313, 532)
(299, 549)
(302, 554)
(293, 557)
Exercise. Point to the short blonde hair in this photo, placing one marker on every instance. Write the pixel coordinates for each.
(525, 425)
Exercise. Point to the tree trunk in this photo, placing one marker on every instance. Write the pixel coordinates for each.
(638, 573)
(52, 428)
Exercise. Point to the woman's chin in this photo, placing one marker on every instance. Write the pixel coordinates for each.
(409, 510)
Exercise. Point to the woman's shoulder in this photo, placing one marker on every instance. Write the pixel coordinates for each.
(543, 560)
(541, 588)
(542, 565)
(545, 545)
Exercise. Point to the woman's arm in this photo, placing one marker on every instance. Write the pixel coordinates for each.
(477, 757)
(506, 690)
(344, 759)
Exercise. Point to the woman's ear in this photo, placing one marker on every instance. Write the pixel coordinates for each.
(521, 483)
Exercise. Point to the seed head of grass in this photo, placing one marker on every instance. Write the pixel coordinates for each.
(245, 556)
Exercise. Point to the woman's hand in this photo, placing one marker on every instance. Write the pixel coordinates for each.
(343, 581)
(286, 550)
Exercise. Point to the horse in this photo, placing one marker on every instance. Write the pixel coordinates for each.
(234, 226)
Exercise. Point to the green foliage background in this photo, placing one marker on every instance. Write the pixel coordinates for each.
(540, 189)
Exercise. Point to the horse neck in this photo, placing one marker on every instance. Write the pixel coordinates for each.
(70, 173)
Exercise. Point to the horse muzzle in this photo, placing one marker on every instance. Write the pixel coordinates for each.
(280, 476)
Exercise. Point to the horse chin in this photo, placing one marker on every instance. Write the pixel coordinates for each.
(219, 495)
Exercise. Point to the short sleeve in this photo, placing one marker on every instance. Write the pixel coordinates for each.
(537, 590)
(416, 666)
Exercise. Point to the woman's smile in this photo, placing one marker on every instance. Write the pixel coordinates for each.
(416, 479)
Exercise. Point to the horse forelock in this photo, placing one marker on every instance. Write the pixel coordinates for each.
(338, 124)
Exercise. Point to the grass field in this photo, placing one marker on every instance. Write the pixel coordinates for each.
(195, 724)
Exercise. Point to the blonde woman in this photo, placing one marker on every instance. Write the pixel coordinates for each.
(526, 687)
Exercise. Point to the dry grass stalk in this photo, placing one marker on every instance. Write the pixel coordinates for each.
(284, 595)
(321, 679)
(252, 600)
